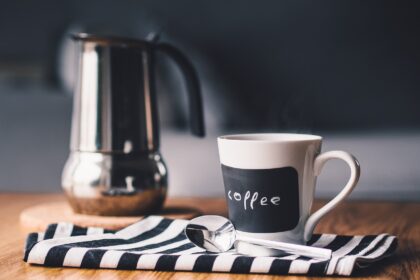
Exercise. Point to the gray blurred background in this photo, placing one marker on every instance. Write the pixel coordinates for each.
(347, 70)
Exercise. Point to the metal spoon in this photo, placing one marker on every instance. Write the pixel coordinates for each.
(217, 234)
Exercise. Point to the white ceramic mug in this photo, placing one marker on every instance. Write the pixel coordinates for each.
(270, 183)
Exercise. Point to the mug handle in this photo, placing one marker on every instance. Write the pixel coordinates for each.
(319, 162)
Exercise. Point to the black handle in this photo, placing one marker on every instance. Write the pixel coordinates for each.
(195, 103)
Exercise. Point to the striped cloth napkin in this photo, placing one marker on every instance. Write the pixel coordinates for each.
(158, 243)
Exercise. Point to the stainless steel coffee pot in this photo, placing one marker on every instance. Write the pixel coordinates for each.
(115, 167)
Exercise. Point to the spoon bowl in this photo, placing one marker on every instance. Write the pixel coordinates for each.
(213, 233)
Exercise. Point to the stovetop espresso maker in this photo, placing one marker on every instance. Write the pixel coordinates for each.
(115, 167)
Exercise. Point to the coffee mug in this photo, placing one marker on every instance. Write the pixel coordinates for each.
(270, 183)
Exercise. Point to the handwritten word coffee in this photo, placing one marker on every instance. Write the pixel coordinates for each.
(253, 199)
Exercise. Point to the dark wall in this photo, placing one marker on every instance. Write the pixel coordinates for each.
(305, 65)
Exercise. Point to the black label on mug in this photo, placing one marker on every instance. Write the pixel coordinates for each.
(262, 200)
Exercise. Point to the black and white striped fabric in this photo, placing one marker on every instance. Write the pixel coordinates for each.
(158, 243)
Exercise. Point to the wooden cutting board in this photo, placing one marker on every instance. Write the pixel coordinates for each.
(37, 218)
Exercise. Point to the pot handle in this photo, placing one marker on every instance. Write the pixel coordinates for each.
(195, 104)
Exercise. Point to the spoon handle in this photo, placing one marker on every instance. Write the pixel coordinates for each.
(290, 248)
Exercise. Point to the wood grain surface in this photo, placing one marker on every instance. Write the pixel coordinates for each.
(38, 217)
(401, 219)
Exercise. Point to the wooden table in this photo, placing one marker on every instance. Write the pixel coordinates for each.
(401, 219)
